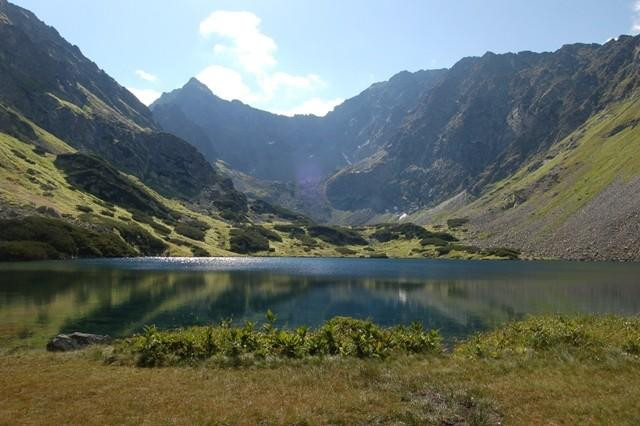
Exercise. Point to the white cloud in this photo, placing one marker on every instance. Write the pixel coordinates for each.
(635, 26)
(146, 96)
(245, 67)
(226, 83)
(315, 106)
(145, 75)
(270, 84)
(253, 50)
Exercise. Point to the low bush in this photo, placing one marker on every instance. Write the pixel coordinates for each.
(408, 231)
(27, 250)
(292, 230)
(68, 240)
(141, 217)
(267, 233)
(467, 249)
(433, 241)
(247, 240)
(190, 231)
(340, 336)
(134, 234)
(456, 222)
(378, 256)
(503, 252)
(336, 235)
(199, 252)
(585, 337)
(84, 209)
(441, 251)
(307, 241)
(345, 251)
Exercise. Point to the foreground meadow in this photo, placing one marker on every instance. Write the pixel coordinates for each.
(547, 370)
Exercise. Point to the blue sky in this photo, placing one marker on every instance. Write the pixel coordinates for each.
(299, 56)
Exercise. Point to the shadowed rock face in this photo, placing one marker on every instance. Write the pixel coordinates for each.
(485, 119)
(80, 104)
(300, 148)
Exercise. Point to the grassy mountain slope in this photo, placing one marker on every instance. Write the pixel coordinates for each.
(579, 200)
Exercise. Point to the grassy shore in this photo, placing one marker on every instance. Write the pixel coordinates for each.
(540, 371)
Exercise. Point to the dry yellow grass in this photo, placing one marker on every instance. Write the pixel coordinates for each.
(40, 388)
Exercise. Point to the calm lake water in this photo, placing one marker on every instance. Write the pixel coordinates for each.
(120, 296)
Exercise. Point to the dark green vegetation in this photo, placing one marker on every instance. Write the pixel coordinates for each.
(409, 231)
(38, 238)
(98, 178)
(336, 235)
(594, 338)
(194, 229)
(27, 250)
(340, 336)
(138, 237)
(584, 337)
(456, 222)
(247, 240)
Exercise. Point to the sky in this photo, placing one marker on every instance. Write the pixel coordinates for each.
(300, 56)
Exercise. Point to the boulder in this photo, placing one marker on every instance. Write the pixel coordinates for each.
(74, 341)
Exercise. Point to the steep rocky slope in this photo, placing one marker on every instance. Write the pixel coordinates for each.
(79, 103)
(294, 149)
(485, 119)
(579, 201)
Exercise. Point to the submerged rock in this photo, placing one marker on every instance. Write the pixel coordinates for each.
(76, 340)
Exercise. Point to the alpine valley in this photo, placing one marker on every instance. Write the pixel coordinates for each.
(532, 155)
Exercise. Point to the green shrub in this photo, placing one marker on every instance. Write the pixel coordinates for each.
(336, 235)
(67, 239)
(306, 240)
(195, 223)
(590, 337)
(456, 222)
(233, 216)
(444, 236)
(160, 229)
(340, 336)
(39, 151)
(408, 231)
(378, 256)
(84, 209)
(345, 251)
(292, 230)
(199, 251)
(27, 250)
(97, 177)
(190, 231)
(267, 233)
(441, 251)
(433, 241)
(503, 252)
(247, 240)
(141, 217)
(466, 248)
(134, 234)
